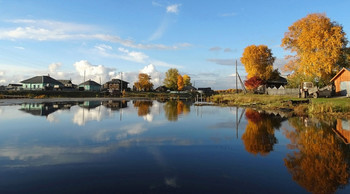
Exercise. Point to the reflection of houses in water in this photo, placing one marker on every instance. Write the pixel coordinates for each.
(44, 109)
(38, 109)
(115, 105)
(90, 104)
(343, 130)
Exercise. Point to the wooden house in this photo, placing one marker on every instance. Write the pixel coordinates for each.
(343, 130)
(342, 82)
(115, 85)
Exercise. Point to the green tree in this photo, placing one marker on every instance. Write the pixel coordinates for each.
(171, 77)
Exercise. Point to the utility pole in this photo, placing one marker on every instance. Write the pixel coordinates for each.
(121, 81)
(236, 78)
(84, 75)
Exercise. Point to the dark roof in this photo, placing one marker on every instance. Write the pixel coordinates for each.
(90, 82)
(279, 80)
(41, 79)
(189, 88)
(15, 85)
(116, 81)
(65, 81)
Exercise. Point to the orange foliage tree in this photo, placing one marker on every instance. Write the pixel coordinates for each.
(321, 164)
(258, 61)
(259, 136)
(144, 83)
(319, 45)
(180, 83)
(143, 107)
(253, 83)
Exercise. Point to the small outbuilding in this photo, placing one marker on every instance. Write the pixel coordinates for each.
(90, 86)
(342, 82)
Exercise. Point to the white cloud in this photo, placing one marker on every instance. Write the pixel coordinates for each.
(94, 72)
(160, 30)
(52, 118)
(226, 62)
(47, 30)
(133, 55)
(152, 71)
(2, 77)
(19, 47)
(216, 48)
(82, 115)
(173, 8)
(103, 47)
(157, 4)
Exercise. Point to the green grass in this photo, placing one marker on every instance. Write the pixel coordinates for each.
(316, 106)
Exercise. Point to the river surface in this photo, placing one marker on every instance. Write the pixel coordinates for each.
(168, 147)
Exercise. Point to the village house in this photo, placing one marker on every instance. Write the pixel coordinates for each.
(14, 87)
(342, 82)
(189, 88)
(41, 83)
(115, 85)
(68, 85)
(90, 86)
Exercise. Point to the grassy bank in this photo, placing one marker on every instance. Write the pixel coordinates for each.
(334, 106)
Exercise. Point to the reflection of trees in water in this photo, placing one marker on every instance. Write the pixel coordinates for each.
(322, 163)
(259, 136)
(174, 108)
(143, 107)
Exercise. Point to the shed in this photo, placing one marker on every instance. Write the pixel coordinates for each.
(342, 82)
(90, 86)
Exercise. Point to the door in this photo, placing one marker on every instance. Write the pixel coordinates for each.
(345, 88)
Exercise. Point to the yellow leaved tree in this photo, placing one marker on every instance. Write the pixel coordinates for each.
(319, 45)
(258, 61)
(180, 82)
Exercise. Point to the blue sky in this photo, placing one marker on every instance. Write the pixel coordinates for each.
(103, 38)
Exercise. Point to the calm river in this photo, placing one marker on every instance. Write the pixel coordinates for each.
(168, 147)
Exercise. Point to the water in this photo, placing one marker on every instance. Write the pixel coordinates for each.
(171, 147)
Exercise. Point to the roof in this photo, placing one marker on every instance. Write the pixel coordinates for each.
(90, 82)
(189, 88)
(65, 81)
(116, 81)
(279, 80)
(339, 73)
(41, 79)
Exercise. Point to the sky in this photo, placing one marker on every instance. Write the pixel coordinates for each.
(109, 39)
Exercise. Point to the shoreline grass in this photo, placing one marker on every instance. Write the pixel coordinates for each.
(319, 106)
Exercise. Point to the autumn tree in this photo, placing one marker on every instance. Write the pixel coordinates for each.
(258, 61)
(144, 83)
(171, 77)
(180, 83)
(319, 45)
(187, 80)
(253, 83)
(259, 136)
(144, 107)
(319, 161)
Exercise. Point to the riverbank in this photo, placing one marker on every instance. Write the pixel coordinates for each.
(7, 102)
(339, 107)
